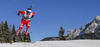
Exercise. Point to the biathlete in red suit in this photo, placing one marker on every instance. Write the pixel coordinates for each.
(27, 15)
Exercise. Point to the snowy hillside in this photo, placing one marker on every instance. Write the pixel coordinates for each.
(71, 43)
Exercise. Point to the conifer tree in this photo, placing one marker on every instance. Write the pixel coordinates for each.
(61, 33)
(13, 32)
(29, 38)
(23, 36)
(2, 30)
(13, 29)
(19, 37)
(6, 32)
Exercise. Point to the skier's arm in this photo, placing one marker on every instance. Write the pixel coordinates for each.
(33, 14)
(20, 11)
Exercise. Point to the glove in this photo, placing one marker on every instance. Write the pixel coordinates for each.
(18, 14)
(32, 16)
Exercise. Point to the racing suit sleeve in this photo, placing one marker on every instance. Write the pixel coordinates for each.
(20, 11)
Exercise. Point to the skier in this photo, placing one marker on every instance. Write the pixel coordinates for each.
(27, 15)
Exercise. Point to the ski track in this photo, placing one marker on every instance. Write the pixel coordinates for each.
(68, 43)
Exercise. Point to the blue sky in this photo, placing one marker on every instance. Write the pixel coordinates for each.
(50, 15)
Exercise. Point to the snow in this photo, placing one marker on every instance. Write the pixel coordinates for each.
(98, 18)
(67, 43)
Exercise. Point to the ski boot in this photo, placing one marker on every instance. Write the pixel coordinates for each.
(26, 39)
(14, 39)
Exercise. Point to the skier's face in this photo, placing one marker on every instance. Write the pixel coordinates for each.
(29, 11)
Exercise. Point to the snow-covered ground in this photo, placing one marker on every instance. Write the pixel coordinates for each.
(71, 43)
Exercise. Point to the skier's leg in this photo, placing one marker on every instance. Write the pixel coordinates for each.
(20, 28)
(27, 30)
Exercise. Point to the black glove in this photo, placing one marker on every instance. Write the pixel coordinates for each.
(32, 16)
(18, 14)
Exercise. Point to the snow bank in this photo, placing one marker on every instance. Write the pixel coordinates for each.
(71, 43)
